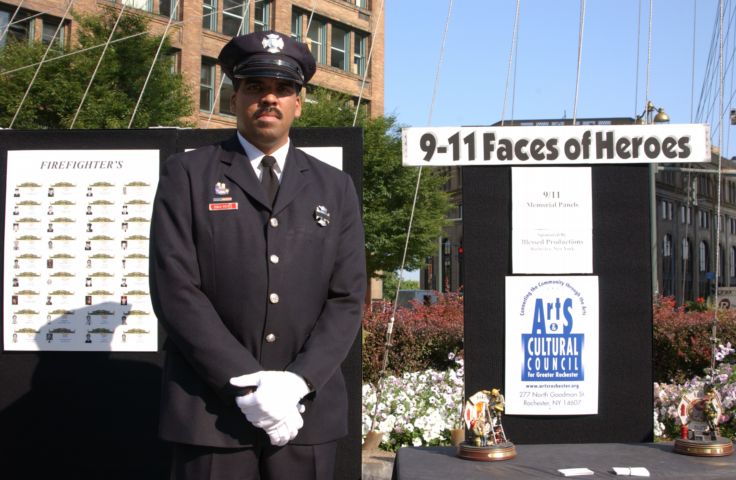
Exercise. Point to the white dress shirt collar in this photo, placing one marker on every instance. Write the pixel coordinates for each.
(255, 155)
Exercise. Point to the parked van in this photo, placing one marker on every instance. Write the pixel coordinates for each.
(423, 297)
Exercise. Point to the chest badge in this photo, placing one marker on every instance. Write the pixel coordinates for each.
(221, 189)
(321, 216)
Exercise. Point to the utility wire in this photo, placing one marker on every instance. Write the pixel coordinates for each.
(244, 18)
(368, 64)
(580, 60)
(40, 64)
(99, 62)
(392, 319)
(10, 21)
(153, 65)
(514, 34)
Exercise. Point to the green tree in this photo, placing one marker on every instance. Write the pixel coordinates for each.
(60, 84)
(388, 187)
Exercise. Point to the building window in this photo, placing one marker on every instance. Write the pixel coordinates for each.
(48, 30)
(234, 17)
(174, 56)
(317, 40)
(732, 265)
(667, 246)
(20, 30)
(207, 85)
(339, 48)
(703, 257)
(262, 18)
(359, 53)
(146, 5)
(685, 215)
(209, 14)
(703, 219)
(226, 92)
(169, 8)
(297, 31)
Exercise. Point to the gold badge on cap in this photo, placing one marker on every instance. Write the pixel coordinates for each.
(273, 43)
(321, 216)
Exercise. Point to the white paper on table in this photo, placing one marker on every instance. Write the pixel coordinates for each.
(631, 471)
(575, 472)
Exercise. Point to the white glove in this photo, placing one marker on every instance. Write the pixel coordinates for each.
(277, 395)
(284, 431)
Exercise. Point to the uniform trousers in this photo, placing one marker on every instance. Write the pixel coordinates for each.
(261, 462)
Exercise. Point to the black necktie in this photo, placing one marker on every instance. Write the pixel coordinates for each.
(269, 180)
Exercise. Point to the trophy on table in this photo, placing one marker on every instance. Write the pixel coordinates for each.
(483, 420)
(699, 418)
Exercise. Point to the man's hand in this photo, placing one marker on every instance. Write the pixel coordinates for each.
(284, 431)
(276, 397)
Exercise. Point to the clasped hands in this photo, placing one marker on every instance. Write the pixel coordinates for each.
(274, 405)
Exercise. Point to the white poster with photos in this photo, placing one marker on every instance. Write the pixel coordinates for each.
(77, 228)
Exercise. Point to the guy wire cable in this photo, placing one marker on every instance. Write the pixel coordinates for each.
(10, 21)
(244, 18)
(581, 31)
(45, 53)
(368, 62)
(692, 63)
(636, 75)
(153, 65)
(390, 326)
(513, 81)
(75, 52)
(649, 64)
(714, 328)
(99, 62)
(514, 34)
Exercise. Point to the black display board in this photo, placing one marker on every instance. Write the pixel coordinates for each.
(94, 415)
(622, 262)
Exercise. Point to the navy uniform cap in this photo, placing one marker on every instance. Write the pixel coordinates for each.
(267, 54)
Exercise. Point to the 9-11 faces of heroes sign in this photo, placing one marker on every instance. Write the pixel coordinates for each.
(552, 345)
(77, 226)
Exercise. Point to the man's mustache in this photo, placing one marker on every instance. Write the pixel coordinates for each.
(265, 110)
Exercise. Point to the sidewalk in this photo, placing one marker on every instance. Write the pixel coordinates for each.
(377, 465)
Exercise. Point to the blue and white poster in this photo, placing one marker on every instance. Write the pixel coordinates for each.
(551, 345)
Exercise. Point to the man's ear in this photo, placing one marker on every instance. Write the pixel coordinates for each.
(298, 109)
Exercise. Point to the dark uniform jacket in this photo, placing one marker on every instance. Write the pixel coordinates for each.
(241, 287)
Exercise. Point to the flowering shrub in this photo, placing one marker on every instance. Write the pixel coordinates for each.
(422, 336)
(416, 409)
(667, 397)
(682, 345)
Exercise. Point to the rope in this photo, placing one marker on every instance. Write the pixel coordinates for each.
(45, 53)
(692, 68)
(390, 326)
(153, 64)
(714, 329)
(580, 58)
(10, 22)
(367, 64)
(75, 52)
(99, 62)
(636, 77)
(649, 58)
(246, 14)
(511, 57)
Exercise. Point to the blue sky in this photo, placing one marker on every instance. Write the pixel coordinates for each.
(473, 73)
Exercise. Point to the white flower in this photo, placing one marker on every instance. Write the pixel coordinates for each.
(417, 442)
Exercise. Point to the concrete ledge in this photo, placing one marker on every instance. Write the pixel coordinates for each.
(377, 465)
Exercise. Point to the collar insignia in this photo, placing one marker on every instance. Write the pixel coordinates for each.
(321, 216)
(221, 189)
(273, 43)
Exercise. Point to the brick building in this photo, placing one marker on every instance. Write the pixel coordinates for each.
(340, 33)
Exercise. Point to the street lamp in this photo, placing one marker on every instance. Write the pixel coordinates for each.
(648, 117)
